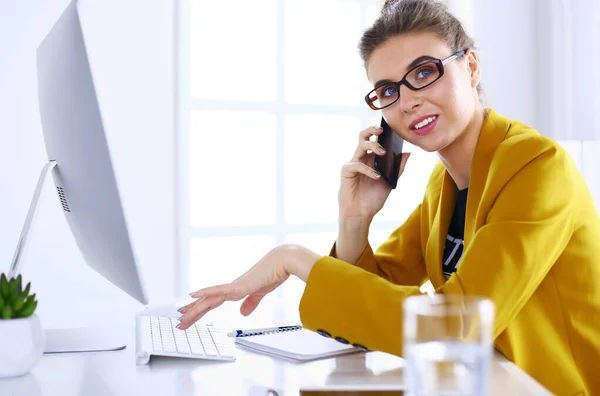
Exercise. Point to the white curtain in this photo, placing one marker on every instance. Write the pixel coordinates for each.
(568, 86)
(541, 59)
(568, 58)
(540, 64)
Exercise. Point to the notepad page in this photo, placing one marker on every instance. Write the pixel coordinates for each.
(299, 344)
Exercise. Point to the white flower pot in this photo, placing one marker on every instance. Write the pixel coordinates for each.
(22, 344)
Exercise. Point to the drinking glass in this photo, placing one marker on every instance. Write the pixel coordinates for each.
(448, 344)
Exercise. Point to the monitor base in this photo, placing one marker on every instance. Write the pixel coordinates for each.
(84, 340)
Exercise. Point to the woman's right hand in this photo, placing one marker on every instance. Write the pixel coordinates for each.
(362, 190)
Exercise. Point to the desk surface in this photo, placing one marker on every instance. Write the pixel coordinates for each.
(116, 374)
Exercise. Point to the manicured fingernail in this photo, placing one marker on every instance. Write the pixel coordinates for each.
(180, 310)
(376, 174)
(381, 150)
(181, 317)
(192, 294)
(179, 326)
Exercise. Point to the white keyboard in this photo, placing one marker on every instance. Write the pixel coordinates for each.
(158, 336)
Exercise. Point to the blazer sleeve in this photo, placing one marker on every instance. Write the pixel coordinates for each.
(527, 228)
(400, 258)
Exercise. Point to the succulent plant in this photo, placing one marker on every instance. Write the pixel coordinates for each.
(14, 301)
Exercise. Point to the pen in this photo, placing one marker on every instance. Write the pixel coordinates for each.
(269, 330)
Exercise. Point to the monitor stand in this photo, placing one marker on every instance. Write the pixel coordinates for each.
(65, 340)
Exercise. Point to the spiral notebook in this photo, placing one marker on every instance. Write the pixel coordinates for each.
(298, 344)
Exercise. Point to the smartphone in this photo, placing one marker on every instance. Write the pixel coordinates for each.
(388, 165)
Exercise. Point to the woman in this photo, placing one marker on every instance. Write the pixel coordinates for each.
(528, 236)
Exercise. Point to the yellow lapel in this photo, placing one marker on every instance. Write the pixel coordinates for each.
(439, 230)
(492, 134)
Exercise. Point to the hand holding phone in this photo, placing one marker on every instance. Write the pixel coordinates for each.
(388, 165)
(362, 194)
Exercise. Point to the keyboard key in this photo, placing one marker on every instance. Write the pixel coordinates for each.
(206, 338)
(168, 342)
(156, 344)
(183, 348)
(226, 351)
(156, 340)
(197, 349)
(179, 334)
(211, 351)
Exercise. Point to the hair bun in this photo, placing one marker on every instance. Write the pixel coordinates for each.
(388, 4)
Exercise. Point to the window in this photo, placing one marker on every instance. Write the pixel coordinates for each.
(270, 105)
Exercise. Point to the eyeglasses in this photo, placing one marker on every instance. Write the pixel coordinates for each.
(419, 77)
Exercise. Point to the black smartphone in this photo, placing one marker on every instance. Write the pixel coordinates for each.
(388, 165)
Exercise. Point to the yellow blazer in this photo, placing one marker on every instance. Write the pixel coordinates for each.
(532, 245)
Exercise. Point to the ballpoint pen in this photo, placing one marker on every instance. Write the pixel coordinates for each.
(268, 330)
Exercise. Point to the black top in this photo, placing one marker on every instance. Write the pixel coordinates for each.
(453, 250)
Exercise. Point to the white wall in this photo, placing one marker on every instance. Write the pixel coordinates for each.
(130, 44)
(540, 61)
(505, 36)
(569, 68)
(540, 64)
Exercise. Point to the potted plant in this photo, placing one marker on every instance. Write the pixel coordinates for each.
(22, 338)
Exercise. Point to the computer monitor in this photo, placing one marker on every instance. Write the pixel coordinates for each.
(80, 159)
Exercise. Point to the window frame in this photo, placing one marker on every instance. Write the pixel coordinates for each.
(185, 103)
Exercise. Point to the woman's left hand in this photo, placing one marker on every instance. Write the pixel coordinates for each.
(264, 277)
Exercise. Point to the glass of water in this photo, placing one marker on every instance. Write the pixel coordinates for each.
(448, 344)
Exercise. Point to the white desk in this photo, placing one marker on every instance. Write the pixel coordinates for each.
(116, 374)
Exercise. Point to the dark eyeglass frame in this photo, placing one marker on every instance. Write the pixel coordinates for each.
(438, 63)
